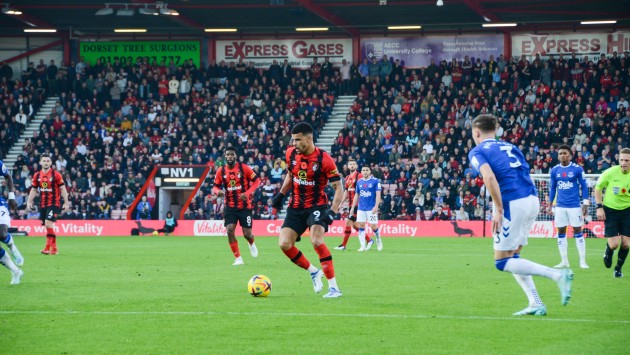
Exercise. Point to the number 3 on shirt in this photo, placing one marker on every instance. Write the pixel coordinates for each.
(508, 150)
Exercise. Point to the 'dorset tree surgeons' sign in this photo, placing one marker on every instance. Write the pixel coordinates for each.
(130, 52)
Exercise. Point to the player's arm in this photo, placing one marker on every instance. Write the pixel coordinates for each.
(31, 197)
(602, 183)
(9, 179)
(218, 183)
(251, 175)
(584, 187)
(278, 200)
(66, 199)
(355, 202)
(490, 180)
(377, 202)
(552, 189)
(336, 185)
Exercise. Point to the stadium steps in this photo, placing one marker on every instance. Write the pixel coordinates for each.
(335, 123)
(31, 131)
(328, 135)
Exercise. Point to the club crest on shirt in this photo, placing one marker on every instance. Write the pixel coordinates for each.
(615, 190)
(570, 174)
(315, 166)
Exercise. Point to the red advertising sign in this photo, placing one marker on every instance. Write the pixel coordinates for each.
(213, 228)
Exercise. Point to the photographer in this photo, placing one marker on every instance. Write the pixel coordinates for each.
(144, 209)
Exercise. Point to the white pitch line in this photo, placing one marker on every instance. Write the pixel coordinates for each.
(348, 315)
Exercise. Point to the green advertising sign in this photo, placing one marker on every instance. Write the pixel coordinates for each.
(129, 52)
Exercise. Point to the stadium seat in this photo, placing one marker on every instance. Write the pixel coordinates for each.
(123, 214)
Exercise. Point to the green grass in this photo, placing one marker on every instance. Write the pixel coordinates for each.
(151, 295)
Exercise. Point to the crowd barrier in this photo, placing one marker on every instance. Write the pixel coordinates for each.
(213, 228)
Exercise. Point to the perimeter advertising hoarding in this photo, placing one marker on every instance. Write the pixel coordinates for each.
(214, 228)
(299, 52)
(582, 43)
(129, 52)
(417, 52)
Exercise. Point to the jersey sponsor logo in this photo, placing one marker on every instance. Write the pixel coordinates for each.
(302, 175)
(301, 181)
(565, 185)
(364, 193)
(334, 172)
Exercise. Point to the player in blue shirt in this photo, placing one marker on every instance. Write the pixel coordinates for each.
(505, 173)
(368, 197)
(566, 186)
(5, 223)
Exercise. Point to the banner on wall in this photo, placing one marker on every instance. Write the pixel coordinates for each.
(130, 52)
(214, 228)
(582, 43)
(299, 52)
(417, 52)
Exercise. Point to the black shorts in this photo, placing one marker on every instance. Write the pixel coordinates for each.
(617, 222)
(300, 219)
(244, 217)
(49, 214)
(353, 215)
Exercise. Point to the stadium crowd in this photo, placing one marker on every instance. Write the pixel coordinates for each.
(114, 121)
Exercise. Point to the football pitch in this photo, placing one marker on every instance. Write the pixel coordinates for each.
(155, 295)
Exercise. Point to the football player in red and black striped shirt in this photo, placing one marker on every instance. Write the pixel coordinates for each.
(350, 187)
(49, 184)
(309, 169)
(239, 182)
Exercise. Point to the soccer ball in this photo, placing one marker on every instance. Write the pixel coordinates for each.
(259, 286)
(155, 233)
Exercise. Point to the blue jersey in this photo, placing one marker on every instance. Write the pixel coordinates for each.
(4, 172)
(366, 190)
(567, 180)
(509, 166)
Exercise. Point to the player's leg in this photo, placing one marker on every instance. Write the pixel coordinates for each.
(318, 229)
(622, 255)
(576, 220)
(361, 219)
(519, 216)
(50, 217)
(561, 220)
(230, 229)
(43, 212)
(16, 273)
(347, 232)
(373, 221)
(612, 233)
(535, 304)
(293, 226)
(245, 219)
(6, 238)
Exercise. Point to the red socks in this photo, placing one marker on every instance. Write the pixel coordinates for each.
(326, 260)
(297, 257)
(346, 236)
(235, 251)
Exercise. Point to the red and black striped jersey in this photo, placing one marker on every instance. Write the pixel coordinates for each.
(235, 181)
(48, 184)
(351, 184)
(310, 174)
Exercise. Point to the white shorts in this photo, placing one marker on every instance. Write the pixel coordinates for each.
(518, 218)
(5, 216)
(367, 216)
(568, 216)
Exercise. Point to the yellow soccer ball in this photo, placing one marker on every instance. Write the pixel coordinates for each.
(155, 233)
(259, 286)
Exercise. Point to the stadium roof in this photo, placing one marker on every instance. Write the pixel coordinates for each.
(281, 17)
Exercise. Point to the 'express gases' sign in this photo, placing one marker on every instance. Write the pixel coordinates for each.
(299, 52)
(130, 52)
